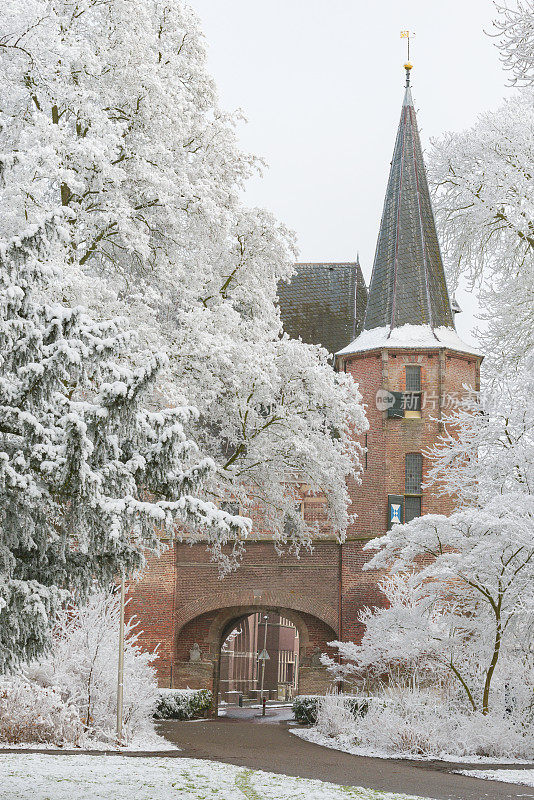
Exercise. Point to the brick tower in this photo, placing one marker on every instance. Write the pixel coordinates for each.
(410, 365)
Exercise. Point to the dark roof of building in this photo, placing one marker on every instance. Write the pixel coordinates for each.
(324, 304)
(408, 281)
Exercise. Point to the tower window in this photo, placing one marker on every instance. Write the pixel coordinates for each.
(407, 404)
(412, 395)
(412, 508)
(413, 479)
(413, 473)
(413, 378)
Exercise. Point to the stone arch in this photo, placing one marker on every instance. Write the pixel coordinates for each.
(267, 598)
(209, 628)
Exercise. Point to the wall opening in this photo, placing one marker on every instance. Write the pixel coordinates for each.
(259, 658)
(209, 645)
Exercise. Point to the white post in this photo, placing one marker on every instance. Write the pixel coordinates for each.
(265, 618)
(120, 676)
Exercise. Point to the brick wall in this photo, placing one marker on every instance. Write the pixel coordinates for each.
(151, 599)
(443, 375)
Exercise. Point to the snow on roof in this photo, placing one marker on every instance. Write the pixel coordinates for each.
(410, 337)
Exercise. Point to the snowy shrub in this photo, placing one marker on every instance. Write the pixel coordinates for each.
(496, 736)
(423, 723)
(334, 717)
(32, 714)
(182, 703)
(306, 706)
(426, 723)
(82, 666)
(409, 723)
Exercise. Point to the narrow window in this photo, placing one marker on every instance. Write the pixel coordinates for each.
(412, 508)
(412, 395)
(413, 478)
(413, 378)
(413, 473)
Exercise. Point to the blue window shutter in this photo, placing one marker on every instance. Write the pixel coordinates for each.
(395, 509)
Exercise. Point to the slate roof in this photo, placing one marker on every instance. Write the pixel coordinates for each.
(408, 281)
(324, 304)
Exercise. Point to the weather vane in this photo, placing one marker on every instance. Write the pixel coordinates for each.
(406, 35)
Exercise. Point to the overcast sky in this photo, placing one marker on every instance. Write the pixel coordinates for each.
(321, 84)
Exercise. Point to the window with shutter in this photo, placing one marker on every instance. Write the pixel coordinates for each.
(413, 473)
(412, 508)
(413, 378)
(395, 510)
(413, 479)
(412, 396)
(396, 410)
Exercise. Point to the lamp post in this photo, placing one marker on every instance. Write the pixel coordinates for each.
(120, 674)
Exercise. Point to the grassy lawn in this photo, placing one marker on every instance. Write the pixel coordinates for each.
(42, 777)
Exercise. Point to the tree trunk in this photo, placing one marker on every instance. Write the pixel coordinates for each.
(65, 191)
(494, 659)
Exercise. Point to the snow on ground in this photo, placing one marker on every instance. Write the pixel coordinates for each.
(346, 745)
(523, 776)
(149, 741)
(53, 777)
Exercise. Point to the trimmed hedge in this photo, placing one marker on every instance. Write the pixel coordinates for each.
(182, 703)
(305, 707)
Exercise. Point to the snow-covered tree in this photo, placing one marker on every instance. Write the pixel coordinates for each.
(487, 446)
(484, 204)
(461, 589)
(484, 198)
(88, 474)
(515, 26)
(82, 666)
(458, 600)
(108, 108)
(479, 572)
(403, 644)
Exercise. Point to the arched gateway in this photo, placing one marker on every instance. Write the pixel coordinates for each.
(411, 367)
(188, 610)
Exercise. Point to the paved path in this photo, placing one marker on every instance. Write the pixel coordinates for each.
(238, 739)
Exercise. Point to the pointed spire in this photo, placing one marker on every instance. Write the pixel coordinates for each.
(408, 281)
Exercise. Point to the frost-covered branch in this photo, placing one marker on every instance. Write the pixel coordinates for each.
(116, 117)
(89, 477)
